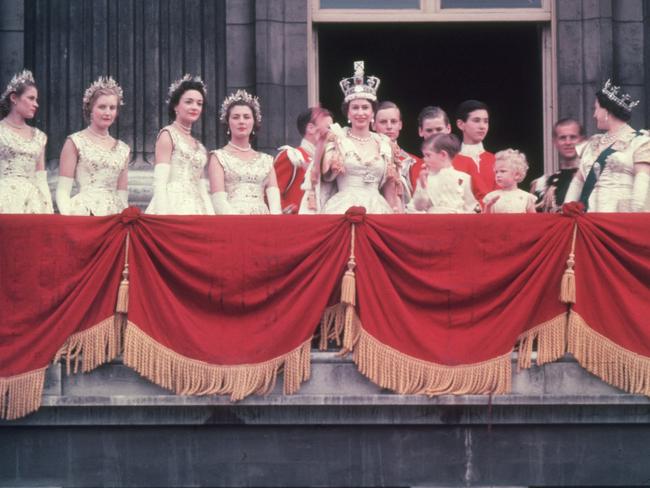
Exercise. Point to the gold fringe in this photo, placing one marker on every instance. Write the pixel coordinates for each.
(331, 325)
(93, 347)
(568, 284)
(551, 339)
(407, 375)
(613, 364)
(122, 305)
(21, 395)
(185, 376)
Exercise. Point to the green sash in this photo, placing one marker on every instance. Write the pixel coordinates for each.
(594, 173)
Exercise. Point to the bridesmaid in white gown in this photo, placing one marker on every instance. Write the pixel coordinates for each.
(23, 178)
(361, 162)
(98, 161)
(180, 186)
(240, 177)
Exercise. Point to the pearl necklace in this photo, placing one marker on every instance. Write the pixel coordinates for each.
(184, 128)
(610, 137)
(15, 126)
(97, 134)
(239, 148)
(360, 139)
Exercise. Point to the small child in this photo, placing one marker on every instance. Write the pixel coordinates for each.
(440, 188)
(510, 168)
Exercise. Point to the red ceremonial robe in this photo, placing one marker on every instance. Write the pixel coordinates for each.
(483, 181)
(290, 178)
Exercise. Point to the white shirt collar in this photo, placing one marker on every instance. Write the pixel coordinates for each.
(472, 150)
(308, 146)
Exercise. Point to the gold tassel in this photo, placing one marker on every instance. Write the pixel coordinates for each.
(21, 395)
(613, 364)
(185, 376)
(551, 337)
(407, 375)
(348, 284)
(122, 305)
(568, 285)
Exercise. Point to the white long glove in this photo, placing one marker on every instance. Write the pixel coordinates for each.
(160, 179)
(205, 196)
(41, 184)
(220, 203)
(640, 191)
(63, 190)
(124, 196)
(574, 191)
(273, 198)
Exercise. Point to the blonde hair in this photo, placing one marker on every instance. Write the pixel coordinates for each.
(516, 160)
(89, 101)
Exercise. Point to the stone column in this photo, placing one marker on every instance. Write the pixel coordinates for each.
(12, 43)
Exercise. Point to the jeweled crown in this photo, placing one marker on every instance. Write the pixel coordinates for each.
(623, 100)
(18, 80)
(359, 85)
(186, 77)
(241, 96)
(103, 83)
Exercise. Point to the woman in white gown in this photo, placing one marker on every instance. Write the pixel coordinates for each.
(240, 177)
(98, 161)
(360, 162)
(614, 171)
(23, 178)
(180, 186)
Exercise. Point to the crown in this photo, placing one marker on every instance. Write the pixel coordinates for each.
(186, 77)
(359, 85)
(241, 96)
(103, 83)
(18, 80)
(624, 100)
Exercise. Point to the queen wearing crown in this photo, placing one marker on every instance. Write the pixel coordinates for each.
(180, 186)
(241, 177)
(614, 172)
(361, 163)
(97, 161)
(23, 179)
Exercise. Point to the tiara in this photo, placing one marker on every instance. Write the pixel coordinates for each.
(241, 96)
(103, 83)
(18, 80)
(186, 77)
(359, 85)
(624, 100)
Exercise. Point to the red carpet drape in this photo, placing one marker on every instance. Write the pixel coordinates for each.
(222, 305)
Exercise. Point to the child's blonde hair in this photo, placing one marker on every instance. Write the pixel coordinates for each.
(516, 160)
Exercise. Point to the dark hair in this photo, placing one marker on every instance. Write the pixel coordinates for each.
(432, 112)
(346, 105)
(310, 116)
(568, 121)
(5, 103)
(614, 109)
(178, 93)
(386, 104)
(442, 142)
(469, 106)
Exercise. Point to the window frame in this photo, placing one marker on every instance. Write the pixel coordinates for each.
(430, 12)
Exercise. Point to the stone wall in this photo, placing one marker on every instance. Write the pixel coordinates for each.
(599, 39)
(12, 26)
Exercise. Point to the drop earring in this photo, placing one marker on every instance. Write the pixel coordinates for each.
(228, 132)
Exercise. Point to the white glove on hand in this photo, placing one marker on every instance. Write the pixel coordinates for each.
(63, 190)
(160, 179)
(124, 196)
(273, 198)
(220, 203)
(640, 191)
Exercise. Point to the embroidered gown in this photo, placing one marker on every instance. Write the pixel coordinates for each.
(245, 181)
(186, 194)
(613, 189)
(19, 192)
(97, 172)
(362, 180)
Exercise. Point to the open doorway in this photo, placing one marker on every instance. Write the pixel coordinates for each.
(444, 64)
